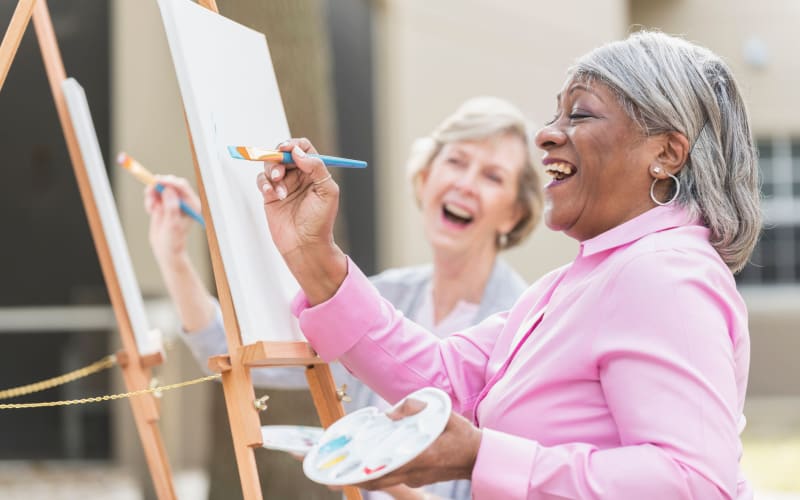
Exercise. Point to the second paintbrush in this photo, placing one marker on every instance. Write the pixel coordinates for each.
(148, 178)
(260, 154)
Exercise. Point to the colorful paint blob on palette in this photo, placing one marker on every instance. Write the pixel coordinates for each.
(367, 444)
(367, 470)
(334, 445)
(330, 463)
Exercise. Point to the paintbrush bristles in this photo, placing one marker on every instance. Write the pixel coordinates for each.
(254, 154)
(135, 168)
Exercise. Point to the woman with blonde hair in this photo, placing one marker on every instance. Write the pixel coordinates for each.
(479, 193)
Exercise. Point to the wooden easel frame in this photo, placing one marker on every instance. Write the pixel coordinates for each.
(235, 367)
(135, 367)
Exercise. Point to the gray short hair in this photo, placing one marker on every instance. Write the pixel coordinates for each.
(668, 84)
(476, 119)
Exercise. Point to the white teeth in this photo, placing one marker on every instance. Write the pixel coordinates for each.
(564, 168)
(458, 212)
(559, 170)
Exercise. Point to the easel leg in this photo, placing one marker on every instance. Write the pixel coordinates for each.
(136, 377)
(145, 414)
(13, 36)
(329, 408)
(242, 418)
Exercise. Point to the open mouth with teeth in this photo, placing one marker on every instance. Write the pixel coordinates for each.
(560, 170)
(456, 214)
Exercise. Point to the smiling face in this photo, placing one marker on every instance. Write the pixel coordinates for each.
(598, 158)
(468, 193)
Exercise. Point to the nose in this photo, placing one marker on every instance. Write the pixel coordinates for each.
(550, 136)
(468, 180)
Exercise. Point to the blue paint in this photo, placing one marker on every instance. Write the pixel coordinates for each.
(235, 154)
(333, 445)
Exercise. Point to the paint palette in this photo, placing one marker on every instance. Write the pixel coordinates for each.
(367, 444)
(297, 439)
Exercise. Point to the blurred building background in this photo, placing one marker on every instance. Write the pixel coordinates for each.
(361, 78)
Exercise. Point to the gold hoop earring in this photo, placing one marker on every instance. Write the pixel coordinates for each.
(674, 196)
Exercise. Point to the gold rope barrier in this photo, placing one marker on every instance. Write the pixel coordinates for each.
(108, 397)
(98, 366)
(103, 364)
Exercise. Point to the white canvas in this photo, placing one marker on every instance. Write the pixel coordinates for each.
(231, 97)
(147, 341)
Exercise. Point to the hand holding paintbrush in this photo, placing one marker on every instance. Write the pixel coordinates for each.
(166, 200)
(169, 227)
(147, 178)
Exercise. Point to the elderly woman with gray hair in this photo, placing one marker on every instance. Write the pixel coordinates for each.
(479, 193)
(620, 375)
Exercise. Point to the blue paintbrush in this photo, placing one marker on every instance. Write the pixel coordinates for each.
(148, 178)
(260, 154)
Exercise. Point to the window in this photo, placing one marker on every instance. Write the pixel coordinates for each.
(776, 259)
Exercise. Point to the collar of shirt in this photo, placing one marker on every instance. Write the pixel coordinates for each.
(654, 220)
(460, 318)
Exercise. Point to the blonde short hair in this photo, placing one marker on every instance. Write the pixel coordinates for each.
(476, 119)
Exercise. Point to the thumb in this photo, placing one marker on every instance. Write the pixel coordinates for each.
(313, 167)
(407, 408)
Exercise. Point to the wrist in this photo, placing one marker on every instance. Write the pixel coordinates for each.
(318, 269)
(474, 445)
(173, 261)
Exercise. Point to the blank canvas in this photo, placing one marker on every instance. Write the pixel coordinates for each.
(231, 97)
(147, 341)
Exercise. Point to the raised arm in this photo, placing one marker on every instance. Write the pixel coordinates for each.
(300, 202)
(168, 232)
(199, 312)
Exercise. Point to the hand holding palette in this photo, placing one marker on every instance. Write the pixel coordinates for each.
(367, 444)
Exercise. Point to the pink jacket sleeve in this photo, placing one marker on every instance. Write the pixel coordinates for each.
(397, 356)
(670, 353)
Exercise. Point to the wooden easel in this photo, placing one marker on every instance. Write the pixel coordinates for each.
(135, 368)
(237, 384)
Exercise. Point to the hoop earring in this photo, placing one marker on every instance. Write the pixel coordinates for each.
(674, 196)
(502, 240)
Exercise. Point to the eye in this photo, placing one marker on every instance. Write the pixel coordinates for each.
(577, 115)
(493, 177)
(454, 161)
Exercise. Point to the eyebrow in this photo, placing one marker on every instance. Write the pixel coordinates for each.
(456, 149)
(504, 169)
(579, 86)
